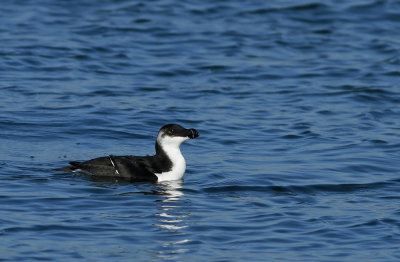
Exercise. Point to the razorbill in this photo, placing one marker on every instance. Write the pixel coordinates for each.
(167, 164)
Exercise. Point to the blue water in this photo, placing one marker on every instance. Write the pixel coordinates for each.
(297, 104)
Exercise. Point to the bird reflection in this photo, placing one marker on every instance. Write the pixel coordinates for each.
(172, 190)
(171, 216)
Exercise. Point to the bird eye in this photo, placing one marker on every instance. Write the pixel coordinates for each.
(171, 131)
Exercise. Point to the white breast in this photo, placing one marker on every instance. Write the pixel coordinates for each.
(178, 167)
(171, 147)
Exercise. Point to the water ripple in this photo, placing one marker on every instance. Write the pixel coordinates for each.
(296, 104)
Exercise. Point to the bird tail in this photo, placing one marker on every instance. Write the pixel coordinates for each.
(70, 168)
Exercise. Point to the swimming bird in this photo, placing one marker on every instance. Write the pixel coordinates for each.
(167, 164)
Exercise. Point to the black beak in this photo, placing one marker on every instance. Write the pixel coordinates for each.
(193, 133)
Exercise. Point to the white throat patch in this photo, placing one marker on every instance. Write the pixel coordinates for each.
(171, 146)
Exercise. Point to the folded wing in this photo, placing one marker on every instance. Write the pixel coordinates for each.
(125, 167)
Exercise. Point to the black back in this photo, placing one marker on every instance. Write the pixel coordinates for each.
(129, 168)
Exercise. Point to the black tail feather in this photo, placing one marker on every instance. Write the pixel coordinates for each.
(66, 169)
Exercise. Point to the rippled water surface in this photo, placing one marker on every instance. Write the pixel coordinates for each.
(297, 104)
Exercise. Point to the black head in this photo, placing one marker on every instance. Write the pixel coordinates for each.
(175, 130)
